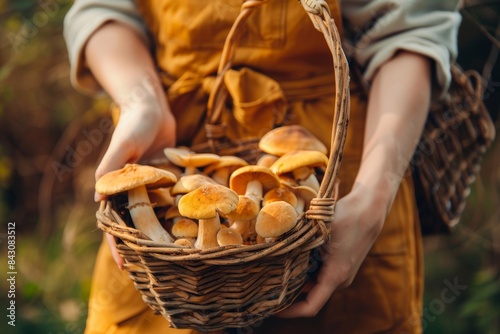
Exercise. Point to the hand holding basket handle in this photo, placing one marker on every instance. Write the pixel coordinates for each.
(395, 119)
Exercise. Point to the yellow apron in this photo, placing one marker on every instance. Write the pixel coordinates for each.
(282, 74)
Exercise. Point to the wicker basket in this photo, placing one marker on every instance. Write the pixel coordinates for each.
(448, 157)
(235, 286)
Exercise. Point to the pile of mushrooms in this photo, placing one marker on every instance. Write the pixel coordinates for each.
(205, 201)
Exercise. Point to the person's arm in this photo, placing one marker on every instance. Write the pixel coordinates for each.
(397, 109)
(123, 65)
(82, 20)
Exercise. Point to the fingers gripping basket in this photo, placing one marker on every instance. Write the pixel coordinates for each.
(235, 286)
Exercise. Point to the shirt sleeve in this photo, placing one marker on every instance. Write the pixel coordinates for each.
(379, 28)
(81, 21)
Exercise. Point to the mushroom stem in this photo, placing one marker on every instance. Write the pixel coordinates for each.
(143, 215)
(254, 191)
(207, 233)
(311, 181)
(300, 205)
(305, 177)
(190, 170)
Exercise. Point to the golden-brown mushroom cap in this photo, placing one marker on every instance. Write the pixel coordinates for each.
(275, 219)
(229, 162)
(297, 159)
(280, 194)
(266, 160)
(291, 137)
(132, 176)
(206, 201)
(186, 158)
(247, 209)
(188, 183)
(228, 236)
(304, 196)
(172, 213)
(185, 228)
(184, 242)
(242, 176)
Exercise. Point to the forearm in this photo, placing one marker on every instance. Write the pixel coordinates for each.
(123, 65)
(397, 109)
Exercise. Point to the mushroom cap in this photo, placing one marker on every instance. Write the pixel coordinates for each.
(172, 212)
(304, 192)
(184, 243)
(280, 194)
(229, 162)
(247, 209)
(240, 178)
(275, 219)
(266, 160)
(297, 159)
(290, 137)
(160, 197)
(185, 228)
(188, 183)
(132, 176)
(184, 158)
(206, 201)
(228, 236)
(288, 180)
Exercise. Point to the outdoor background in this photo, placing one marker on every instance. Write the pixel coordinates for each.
(46, 183)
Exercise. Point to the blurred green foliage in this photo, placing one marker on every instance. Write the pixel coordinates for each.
(41, 121)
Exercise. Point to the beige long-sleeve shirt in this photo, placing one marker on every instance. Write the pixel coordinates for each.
(375, 30)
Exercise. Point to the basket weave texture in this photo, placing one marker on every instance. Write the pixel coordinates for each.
(457, 133)
(235, 286)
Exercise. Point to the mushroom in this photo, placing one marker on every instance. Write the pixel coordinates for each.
(188, 183)
(161, 201)
(266, 160)
(252, 181)
(301, 164)
(185, 229)
(290, 137)
(220, 170)
(173, 214)
(304, 195)
(204, 204)
(228, 236)
(134, 178)
(275, 219)
(280, 194)
(240, 218)
(184, 243)
(160, 197)
(189, 160)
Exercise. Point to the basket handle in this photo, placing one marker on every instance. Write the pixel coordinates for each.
(215, 129)
(319, 12)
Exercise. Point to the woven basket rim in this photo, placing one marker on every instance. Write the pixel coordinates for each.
(307, 234)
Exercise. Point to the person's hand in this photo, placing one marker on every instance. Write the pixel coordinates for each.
(359, 217)
(141, 132)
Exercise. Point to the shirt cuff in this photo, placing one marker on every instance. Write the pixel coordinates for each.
(381, 28)
(81, 21)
